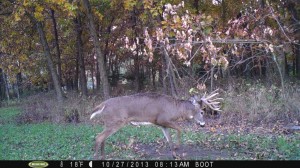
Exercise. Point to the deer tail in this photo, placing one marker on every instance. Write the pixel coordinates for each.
(97, 110)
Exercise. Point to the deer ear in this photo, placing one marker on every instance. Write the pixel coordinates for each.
(194, 101)
(193, 97)
(198, 99)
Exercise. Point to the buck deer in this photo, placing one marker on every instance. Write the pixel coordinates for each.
(146, 108)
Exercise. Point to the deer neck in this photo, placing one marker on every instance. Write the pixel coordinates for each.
(185, 107)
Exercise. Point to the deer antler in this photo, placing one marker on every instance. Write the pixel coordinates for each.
(211, 101)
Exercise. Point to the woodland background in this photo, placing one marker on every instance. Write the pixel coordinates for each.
(60, 58)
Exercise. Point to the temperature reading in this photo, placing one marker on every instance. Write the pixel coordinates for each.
(76, 164)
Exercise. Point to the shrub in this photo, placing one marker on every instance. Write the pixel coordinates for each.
(44, 107)
(258, 104)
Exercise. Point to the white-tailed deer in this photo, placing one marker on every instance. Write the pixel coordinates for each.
(154, 108)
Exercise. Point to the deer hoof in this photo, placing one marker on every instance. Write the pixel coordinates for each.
(175, 156)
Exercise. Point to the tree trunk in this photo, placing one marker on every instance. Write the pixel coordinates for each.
(291, 5)
(224, 12)
(212, 78)
(92, 76)
(163, 75)
(100, 56)
(5, 82)
(171, 74)
(286, 66)
(76, 80)
(16, 90)
(83, 80)
(297, 61)
(196, 5)
(262, 3)
(59, 73)
(98, 80)
(153, 74)
(2, 85)
(294, 65)
(69, 82)
(56, 82)
(137, 73)
(19, 83)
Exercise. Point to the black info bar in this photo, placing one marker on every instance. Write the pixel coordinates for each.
(147, 163)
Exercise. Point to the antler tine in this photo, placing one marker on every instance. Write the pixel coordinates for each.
(214, 103)
(215, 91)
(211, 101)
(212, 106)
(211, 96)
(216, 99)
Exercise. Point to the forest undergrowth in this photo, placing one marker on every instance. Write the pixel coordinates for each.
(253, 125)
(245, 104)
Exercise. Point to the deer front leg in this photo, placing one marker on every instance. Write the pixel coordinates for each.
(168, 137)
(169, 140)
(165, 130)
(166, 134)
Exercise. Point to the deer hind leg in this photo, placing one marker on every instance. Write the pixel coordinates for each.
(102, 147)
(100, 139)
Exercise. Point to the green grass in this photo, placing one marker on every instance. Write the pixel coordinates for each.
(8, 114)
(48, 141)
(51, 141)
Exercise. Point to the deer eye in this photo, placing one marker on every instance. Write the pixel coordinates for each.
(201, 112)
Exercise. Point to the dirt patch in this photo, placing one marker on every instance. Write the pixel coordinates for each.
(217, 147)
(156, 151)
